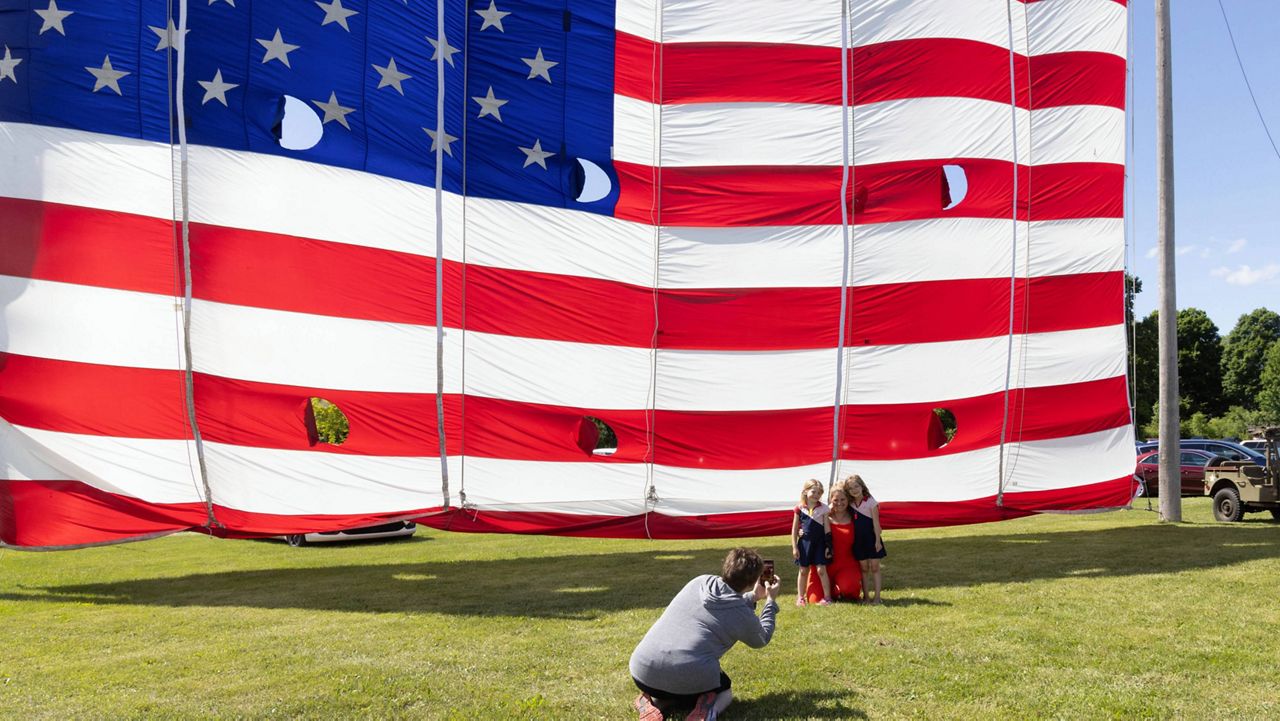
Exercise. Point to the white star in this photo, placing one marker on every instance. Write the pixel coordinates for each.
(53, 18)
(538, 66)
(216, 89)
(7, 64)
(448, 50)
(535, 155)
(489, 105)
(448, 141)
(492, 17)
(391, 75)
(335, 13)
(232, 3)
(106, 76)
(334, 111)
(277, 49)
(167, 35)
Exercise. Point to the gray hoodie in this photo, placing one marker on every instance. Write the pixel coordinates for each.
(681, 652)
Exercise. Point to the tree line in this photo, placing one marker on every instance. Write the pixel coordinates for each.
(1226, 384)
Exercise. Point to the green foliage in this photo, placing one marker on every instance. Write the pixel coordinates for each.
(1145, 383)
(948, 420)
(1199, 361)
(331, 424)
(1243, 351)
(1268, 400)
(605, 437)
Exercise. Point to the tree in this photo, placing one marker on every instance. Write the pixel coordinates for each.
(1268, 399)
(1199, 362)
(1145, 383)
(1242, 355)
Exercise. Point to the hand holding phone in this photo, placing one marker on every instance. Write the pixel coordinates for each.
(768, 575)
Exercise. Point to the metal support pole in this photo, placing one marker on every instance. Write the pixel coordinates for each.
(1170, 467)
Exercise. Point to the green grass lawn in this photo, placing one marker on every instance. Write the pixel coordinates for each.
(1071, 616)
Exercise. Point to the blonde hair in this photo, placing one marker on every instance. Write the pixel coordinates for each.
(855, 478)
(811, 483)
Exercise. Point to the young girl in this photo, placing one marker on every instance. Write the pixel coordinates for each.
(868, 547)
(810, 533)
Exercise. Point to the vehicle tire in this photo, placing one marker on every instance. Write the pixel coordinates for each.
(297, 540)
(1226, 505)
(1275, 514)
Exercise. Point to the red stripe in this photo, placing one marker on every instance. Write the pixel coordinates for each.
(136, 403)
(922, 68)
(1108, 494)
(50, 514)
(735, 196)
(302, 275)
(88, 246)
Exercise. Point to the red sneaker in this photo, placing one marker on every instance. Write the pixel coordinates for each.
(646, 709)
(704, 709)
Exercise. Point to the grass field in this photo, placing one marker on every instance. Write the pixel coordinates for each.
(1093, 616)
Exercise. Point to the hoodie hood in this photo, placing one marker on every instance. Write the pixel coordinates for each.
(715, 593)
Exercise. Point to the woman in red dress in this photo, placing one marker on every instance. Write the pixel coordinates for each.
(843, 570)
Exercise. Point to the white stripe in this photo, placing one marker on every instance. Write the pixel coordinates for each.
(288, 482)
(58, 165)
(99, 325)
(617, 489)
(1089, 25)
(64, 321)
(159, 471)
(790, 134)
(1066, 25)
(274, 346)
(572, 374)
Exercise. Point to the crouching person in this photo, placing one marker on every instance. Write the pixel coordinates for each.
(677, 664)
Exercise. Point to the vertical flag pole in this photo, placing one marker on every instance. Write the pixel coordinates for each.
(440, 145)
(844, 237)
(1170, 466)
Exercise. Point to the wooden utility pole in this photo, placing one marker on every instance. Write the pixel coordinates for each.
(1170, 467)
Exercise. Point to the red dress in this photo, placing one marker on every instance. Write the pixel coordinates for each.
(844, 571)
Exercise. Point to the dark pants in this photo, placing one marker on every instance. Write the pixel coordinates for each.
(668, 701)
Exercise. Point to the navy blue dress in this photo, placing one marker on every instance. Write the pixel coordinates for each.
(813, 541)
(864, 537)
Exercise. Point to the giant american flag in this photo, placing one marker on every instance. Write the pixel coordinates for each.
(762, 241)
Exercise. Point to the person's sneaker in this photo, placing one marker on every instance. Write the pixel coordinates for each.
(646, 709)
(824, 602)
(704, 709)
(800, 602)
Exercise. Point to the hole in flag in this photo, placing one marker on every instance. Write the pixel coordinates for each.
(942, 428)
(597, 437)
(326, 423)
(955, 185)
(297, 126)
(591, 182)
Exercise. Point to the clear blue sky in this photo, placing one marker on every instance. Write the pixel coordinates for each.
(1227, 178)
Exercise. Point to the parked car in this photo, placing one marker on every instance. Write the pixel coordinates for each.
(1226, 449)
(1255, 444)
(398, 529)
(1192, 471)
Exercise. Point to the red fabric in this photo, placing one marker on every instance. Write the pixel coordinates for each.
(844, 573)
(919, 68)
(86, 398)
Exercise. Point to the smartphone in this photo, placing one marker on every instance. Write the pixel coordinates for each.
(767, 576)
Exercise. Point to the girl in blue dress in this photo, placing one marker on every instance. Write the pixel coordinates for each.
(811, 540)
(868, 546)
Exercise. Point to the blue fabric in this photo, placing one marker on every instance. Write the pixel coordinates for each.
(864, 538)
(812, 543)
(572, 116)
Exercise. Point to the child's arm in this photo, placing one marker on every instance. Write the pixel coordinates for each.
(795, 535)
(826, 530)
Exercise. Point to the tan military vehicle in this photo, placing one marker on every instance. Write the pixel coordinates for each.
(1240, 487)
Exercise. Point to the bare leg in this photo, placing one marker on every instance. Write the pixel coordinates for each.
(866, 580)
(723, 700)
(802, 581)
(875, 573)
(826, 582)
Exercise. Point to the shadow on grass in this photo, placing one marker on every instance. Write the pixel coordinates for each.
(586, 586)
(813, 704)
